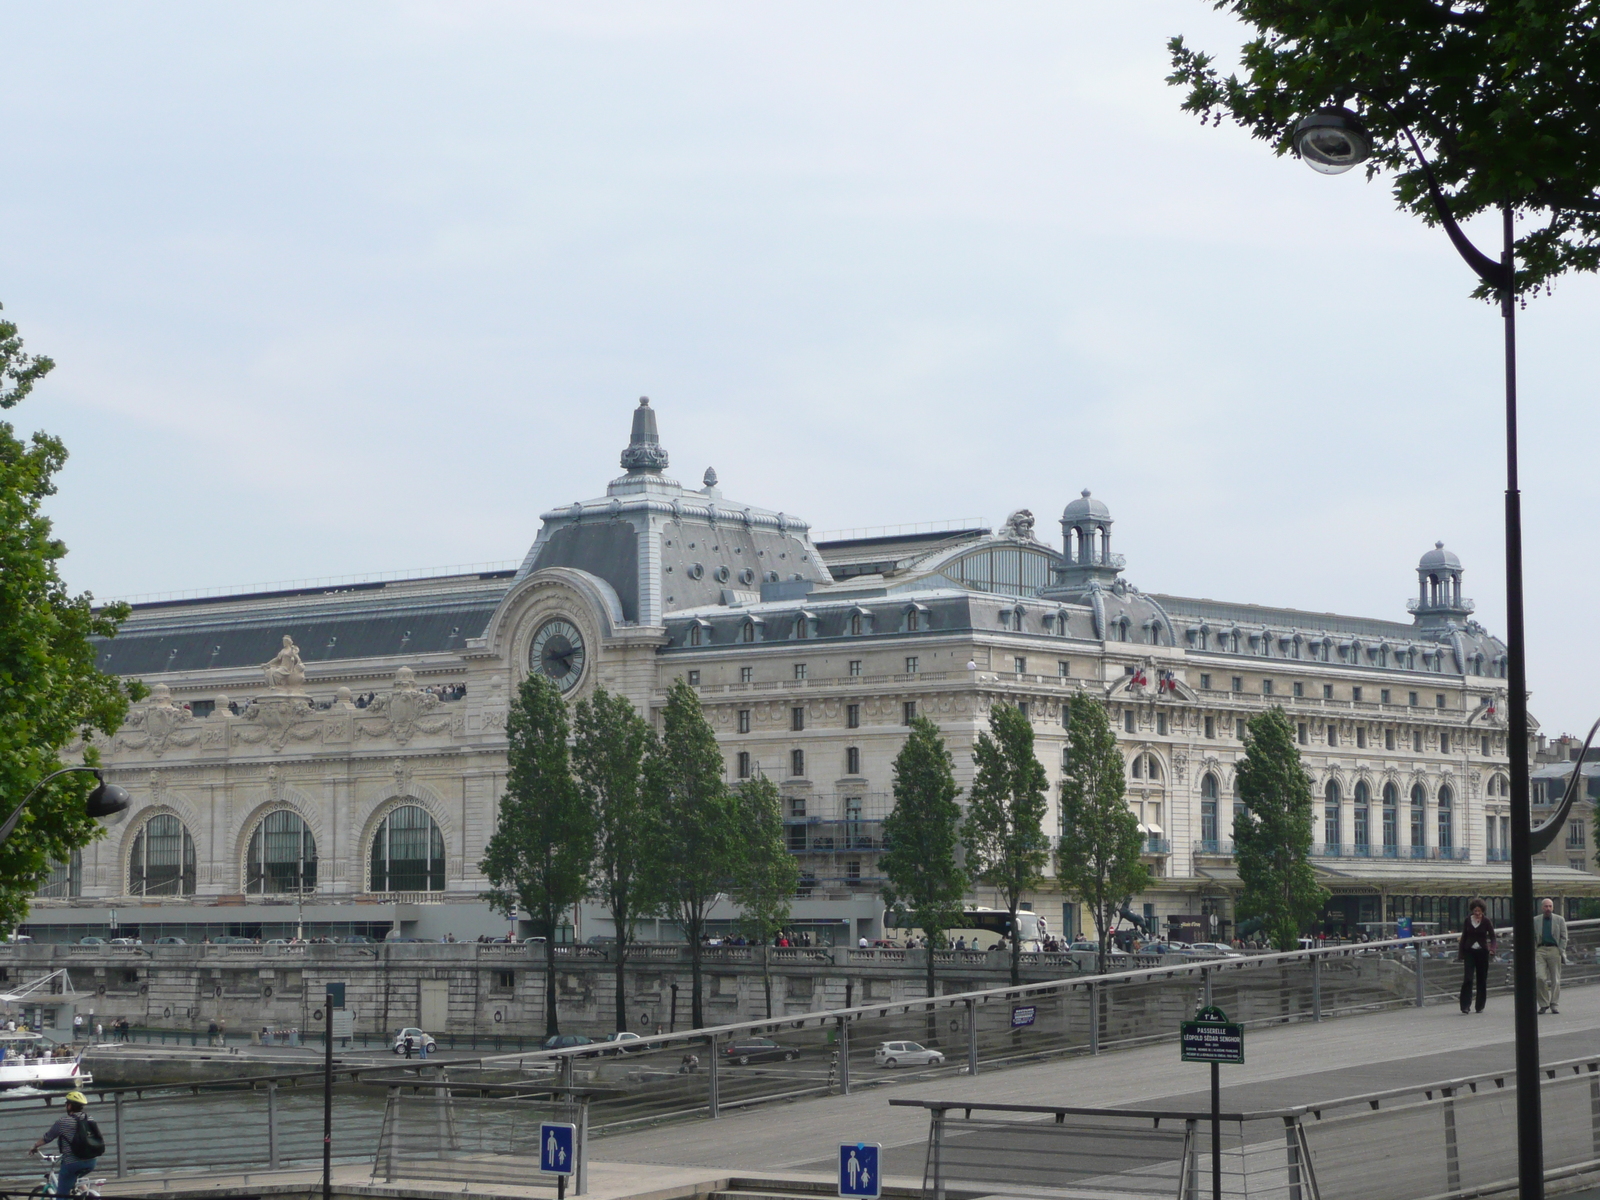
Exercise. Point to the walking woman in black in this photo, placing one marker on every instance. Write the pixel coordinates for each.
(1477, 944)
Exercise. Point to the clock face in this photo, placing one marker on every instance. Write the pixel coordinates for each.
(557, 650)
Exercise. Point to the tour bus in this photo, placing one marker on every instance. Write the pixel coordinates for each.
(983, 927)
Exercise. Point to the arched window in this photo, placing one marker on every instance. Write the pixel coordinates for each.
(408, 853)
(694, 635)
(1146, 766)
(162, 863)
(913, 620)
(1446, 825)
(1391, 801)
(1208, 810)
(855, 624)
(1155, 632)
(1363, 799)
(283, 855)
(64, 879)
(1419, 806)
(1330, 816)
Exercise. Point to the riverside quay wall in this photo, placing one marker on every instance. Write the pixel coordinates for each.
(474, 988)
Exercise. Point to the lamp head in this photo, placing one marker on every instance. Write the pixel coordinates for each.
(108, 803)
(1332, 140)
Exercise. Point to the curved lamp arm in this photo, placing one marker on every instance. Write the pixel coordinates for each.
(1489, 270)
(106, 801)
(1540, 837)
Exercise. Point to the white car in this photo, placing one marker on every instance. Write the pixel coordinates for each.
(1221, 948)
(418, 1041)
(624, 1037)
(911, 1054)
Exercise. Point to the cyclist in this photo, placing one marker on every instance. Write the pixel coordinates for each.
(64, 1132)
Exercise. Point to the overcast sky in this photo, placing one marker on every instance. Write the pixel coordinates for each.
(359, 288)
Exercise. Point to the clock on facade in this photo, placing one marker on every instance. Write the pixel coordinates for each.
(558, 651)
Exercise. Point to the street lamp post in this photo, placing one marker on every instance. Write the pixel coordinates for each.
(1331, 141)
(107, 804)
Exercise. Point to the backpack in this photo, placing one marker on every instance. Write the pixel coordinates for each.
(87, 1142)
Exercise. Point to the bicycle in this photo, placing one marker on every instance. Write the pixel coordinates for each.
(85, 1188)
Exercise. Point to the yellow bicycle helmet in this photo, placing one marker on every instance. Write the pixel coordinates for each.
(76, 1098)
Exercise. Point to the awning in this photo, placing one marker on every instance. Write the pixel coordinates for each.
(1152, 828)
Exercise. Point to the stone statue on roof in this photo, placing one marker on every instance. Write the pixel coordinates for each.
(1020, 525)
(286, 674)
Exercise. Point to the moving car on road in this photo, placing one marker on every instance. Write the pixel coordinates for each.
(908, 1054)
(751, 1050)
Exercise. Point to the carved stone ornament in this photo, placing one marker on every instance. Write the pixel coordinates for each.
(1020, 525)
(405, 712)
(277, 719)
(164, 725)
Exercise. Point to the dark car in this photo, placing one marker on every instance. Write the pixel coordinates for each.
(565, 1041)
(751, 1050)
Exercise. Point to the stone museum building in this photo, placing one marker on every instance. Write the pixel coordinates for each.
(330, 759)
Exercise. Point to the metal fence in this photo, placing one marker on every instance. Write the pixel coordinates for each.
(433, 1132)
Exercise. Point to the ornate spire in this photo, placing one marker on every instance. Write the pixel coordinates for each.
(644, 452)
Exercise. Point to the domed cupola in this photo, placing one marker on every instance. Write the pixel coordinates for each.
(1086, 545)
(1439, 602)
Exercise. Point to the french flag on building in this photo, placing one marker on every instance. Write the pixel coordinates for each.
(1140, 679)
(1169, 682)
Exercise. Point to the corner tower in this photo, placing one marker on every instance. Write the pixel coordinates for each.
(1086, 545)
(1439, 603)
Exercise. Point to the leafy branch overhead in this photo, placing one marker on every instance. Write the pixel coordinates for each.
(1501, 97)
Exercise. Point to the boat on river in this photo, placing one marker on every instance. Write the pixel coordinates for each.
(30, 1059)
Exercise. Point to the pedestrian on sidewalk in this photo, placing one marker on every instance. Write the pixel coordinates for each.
(1550, 949)
(1477, 944)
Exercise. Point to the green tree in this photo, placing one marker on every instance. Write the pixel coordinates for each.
(1099, 854)
(1272, 836)
(766, 874)
(51, 693)
(1499, 96)
(1004, 831)
(695, 822)
(922, 836)
(538, 859)
(609, 747)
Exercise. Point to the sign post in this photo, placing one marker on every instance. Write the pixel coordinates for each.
(558, 1153)
(860, 1170)
(1212, 1038)
(334, 998)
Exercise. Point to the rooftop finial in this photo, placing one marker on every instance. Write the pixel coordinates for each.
(710, 477)
(644, 452)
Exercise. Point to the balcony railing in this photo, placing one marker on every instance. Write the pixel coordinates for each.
(814, 835)
(1157, 845)
(1499, 855)
(1213, 847)
(1366, 850)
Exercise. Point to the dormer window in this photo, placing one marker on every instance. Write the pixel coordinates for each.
(860, 622)
(694, 635)
(750, 631)
(916, 618)
(699, 633)
(805, 625)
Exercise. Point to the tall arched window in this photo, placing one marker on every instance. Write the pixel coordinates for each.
(64, 879)
(1208, 810)
(1363, 799)
(1419, 823)
(1446, 826)
(408, 853)
(1330, 816)
(283, 855)
(162, 863)
(1391, 835)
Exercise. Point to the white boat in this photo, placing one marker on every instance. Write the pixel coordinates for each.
(29, 1062)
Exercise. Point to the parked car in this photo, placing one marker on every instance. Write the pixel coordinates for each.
(911, 1054)
(1217, 948)
(622, 1038)
(419, 1040)
(227, 939)
(91, 941)
(171, 941)
(566, 1041)
(751, 1050)
(126, 942)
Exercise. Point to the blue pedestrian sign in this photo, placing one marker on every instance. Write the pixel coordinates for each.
(858, 1169)
(557, 1145)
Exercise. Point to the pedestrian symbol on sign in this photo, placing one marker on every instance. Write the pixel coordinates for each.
(556, 1148)
(859, 1172)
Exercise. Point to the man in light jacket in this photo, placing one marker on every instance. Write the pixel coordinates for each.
(1550, 948)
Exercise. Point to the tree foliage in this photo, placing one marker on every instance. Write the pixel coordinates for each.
(765, 874)
(926, 881)
(538, 859)
(1098, 857)
(1272, 837)
(51, 692)
(609, 747)
(1004, 831)
(1500, 96)
(695, 821)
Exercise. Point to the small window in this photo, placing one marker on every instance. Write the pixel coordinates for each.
(1355, 694)
(747, 674)
(506, 981)
(1063, 668)
(799, 671)
(1239, 728)
(694, 635)
(1238, 683)
(1388, 739)
(852, 871)
(1327, 691)
(909, 712)
(1127, 721)
(852, 760)
(797, 762)
(1161, 724)
(1438, 700)
(797, 806)
(1411, 699)
(1484, 745)
(202, 708)
(1383, 696)
(852, 716)
(797, 718)
(1444, 742)
(855, 666)
(1299, 690)
(1021, 665)
(747, 632)
(1211, 727)
(1304, 734)
(1575, 834)
(855, 624)
(1416, 742)
(1361, 739)
(744, 720)
(1333, 735)
(744, 764)
(911, 664)
(913, 620)
(694, 678)
(1266, 687)
(1205, 682)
